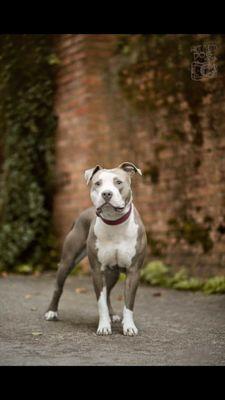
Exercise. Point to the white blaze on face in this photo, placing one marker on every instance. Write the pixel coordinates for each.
(107, 179)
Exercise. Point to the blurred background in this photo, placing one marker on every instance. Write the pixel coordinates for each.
(69, 102)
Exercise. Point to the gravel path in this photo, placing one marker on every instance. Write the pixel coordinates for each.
(176, 328)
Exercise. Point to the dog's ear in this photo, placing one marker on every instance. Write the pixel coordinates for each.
(89, 173)
(130, 168)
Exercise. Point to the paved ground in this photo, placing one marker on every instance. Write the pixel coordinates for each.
(176, 328)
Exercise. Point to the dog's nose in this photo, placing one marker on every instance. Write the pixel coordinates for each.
(107, 194)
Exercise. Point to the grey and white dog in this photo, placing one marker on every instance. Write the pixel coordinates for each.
(113, 237)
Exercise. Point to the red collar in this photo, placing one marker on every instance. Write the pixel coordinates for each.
(117, 221)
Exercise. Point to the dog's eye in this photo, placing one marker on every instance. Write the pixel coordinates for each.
(97, 183)
(119, 182)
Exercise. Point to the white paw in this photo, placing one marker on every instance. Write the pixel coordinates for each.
(130, 330)
(115, 318)
(104, 328)
(51, 316)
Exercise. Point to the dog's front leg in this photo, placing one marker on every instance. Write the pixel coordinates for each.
(131, 284)
(104, 326)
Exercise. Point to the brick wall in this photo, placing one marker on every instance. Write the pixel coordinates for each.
(99, 125)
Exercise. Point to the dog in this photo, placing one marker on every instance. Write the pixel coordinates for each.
(113, 237)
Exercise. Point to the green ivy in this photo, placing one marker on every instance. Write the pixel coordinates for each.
(155, 70)
(156, 273)
(27, 126)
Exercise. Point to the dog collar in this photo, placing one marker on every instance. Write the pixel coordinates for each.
(117, 221)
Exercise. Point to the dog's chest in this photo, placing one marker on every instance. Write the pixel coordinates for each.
(116, 245)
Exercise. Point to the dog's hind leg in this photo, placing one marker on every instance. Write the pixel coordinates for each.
(74, 250)
(65, 267)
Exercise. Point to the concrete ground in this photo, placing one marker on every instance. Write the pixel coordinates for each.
(176, 328)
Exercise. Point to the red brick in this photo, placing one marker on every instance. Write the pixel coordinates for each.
(98, 125)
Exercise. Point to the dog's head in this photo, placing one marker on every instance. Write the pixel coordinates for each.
(111, 188)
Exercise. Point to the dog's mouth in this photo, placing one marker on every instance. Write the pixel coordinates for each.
(117, 209)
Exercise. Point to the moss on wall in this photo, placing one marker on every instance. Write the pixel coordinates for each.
(153, 172)
(155, 78)
(192, 232)
(156, 73)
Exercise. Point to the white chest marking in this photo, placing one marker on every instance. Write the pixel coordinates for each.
(116, 245)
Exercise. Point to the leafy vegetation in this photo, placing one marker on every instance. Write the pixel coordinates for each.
(156, 273)
(215, 285)
(27, 126)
